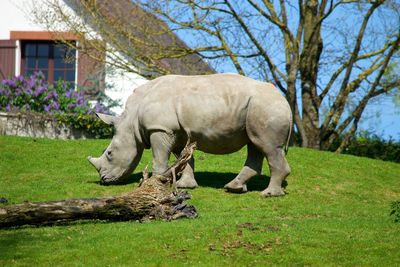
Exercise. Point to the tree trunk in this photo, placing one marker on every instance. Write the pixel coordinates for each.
(155, 198)
(309, 70)
(312, 135)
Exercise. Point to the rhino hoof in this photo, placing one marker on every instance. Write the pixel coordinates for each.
(236, 188)
(273, 192)
(186, 183)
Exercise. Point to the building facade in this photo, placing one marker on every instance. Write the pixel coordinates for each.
(26, 47)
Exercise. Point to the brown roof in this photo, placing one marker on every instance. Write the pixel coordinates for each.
(147, 36)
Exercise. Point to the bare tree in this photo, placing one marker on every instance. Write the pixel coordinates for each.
(327, 57)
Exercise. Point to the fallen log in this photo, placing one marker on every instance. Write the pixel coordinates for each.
(154, 198)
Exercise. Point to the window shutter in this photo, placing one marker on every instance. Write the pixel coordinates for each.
(7, 58)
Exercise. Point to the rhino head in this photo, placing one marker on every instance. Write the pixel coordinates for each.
(123, 154)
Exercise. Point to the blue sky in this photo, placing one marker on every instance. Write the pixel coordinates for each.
(387, 123)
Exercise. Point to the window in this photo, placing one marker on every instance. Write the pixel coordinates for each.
(55, 60)
(64, 63)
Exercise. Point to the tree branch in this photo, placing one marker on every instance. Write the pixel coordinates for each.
(336, 74)
(373, 92)
(273, 18)
(273, 68)
(332, 119)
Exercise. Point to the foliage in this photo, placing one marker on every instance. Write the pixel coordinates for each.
(336, 211)
(370, 145)
(61, 100)
(395, 211)
(90, 123)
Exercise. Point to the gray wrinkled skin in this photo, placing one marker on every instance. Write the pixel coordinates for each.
(221, 112)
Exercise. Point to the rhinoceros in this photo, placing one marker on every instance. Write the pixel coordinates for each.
(220, 112)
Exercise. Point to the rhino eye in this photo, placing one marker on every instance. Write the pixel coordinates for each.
(109, 154)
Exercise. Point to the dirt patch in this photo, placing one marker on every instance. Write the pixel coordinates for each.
(229, 248)
(252, 227)
(248, 226)
(272, 228)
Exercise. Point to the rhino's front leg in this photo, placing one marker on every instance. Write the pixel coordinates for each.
(187, 179)
(161, 147)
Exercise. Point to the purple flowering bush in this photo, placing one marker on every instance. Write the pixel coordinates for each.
(70, 106)
(35, 94)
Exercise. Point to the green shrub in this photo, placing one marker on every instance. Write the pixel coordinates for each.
(365, 144)
(94, 127)
(373, 146)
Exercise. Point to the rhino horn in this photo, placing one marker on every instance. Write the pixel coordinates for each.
(95, 162)
(107, 119)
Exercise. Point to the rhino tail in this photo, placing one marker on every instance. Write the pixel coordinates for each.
(289, 137)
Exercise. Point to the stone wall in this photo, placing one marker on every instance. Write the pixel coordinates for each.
(36, 125)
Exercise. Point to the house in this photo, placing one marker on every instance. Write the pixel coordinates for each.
(26, 47)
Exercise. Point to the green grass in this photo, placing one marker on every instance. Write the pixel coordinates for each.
(336, 212)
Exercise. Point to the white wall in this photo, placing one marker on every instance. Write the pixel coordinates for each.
(13, 18)
(123, 84)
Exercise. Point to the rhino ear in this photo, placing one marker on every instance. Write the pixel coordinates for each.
(107, 119)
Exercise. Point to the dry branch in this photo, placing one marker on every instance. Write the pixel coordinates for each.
(154, 198)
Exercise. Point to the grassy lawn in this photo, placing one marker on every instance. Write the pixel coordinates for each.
(336, 212)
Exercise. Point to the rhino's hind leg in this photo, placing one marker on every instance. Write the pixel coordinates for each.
(270, 134)
(187, 179)
(279, 169)
(251, 168)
